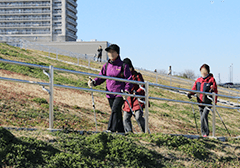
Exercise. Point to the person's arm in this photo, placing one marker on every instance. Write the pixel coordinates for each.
(140, 91)
(214, 89)
(189, 95)
(99, 81)
(194, 88)
(128, 76)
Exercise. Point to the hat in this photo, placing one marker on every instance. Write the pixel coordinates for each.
(114, 47)
(129, 62)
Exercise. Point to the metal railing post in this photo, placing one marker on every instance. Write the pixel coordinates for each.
(78, 59)
(156, 77)
(146, 105)
(214, 115)
(170, 79)
(56, 55)
(89, 62)
(51, 70)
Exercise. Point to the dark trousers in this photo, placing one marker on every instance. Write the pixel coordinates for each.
(99, 57)
(204, 120)
(116, 122)
(127, 120)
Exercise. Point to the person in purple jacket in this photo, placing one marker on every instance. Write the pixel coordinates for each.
(114, 68)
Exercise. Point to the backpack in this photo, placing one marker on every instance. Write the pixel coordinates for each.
(122, 70)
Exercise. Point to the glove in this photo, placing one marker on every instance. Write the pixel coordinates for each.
(125, 97)
(211, 90)
(91, 83)
(189, 95)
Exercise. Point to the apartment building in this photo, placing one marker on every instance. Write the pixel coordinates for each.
(39, 20)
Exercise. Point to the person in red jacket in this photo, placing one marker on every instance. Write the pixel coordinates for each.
(134, 103)
(206, 83)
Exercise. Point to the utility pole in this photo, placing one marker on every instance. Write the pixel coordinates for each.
(231, 73)
(219, 79)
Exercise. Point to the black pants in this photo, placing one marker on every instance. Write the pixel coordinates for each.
(116, 122)
(204, 120)
(99, 57)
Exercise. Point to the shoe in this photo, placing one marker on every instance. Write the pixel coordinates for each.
(107, 131)
(204, 136)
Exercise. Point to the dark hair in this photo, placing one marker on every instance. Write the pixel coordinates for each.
(206, 66)
(129, 62)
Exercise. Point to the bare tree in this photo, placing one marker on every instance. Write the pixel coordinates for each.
(188, 73)
(162, 71)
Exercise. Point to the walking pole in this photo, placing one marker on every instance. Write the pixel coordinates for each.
(220, 119)
(93, 107)
(131, 111)
(195, 118)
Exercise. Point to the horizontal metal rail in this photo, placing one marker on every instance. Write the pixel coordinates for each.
(189, 90)
(71, 71)
(146, 97)
(70, 87)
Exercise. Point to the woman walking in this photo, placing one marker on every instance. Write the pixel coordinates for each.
(206, 83)
(114, 68)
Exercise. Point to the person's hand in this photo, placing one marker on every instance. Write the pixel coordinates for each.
(125, 97)
(189, 95)
(91, 83)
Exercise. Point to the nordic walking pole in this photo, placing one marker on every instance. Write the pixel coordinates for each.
(131, 111)
(93, 107)
(223, 123)
(221, 119)
(195, 118)
(194, 115)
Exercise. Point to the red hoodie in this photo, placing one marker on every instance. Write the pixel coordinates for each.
(207, 84)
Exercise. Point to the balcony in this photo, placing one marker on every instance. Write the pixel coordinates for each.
(72, 21)
(57, 19)
(71, 35)
(25, 6)
(24, 33)
(57, 12)
(25, 26)
(71, 28)
(71, 15)
(23, 12)
(24, 19)
(72, 2)
(72, 8)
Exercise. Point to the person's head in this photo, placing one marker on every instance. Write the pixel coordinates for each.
(113, 51)
(100, 46)
(129, 62)
(205, 70)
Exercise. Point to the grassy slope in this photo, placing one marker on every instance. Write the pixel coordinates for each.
(41, 148)
(26, 105)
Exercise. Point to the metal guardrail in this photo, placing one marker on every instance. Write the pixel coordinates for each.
(146, 97)
(90, 57)
(174, 79)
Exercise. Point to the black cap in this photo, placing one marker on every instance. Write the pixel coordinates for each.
(113, 47)
(129, 62)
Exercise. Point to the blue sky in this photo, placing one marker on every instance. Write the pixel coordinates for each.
(158, 33)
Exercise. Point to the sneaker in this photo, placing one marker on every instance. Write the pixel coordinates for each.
(107, 131)
(204, 136)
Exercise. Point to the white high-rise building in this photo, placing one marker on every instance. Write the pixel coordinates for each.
(39, 20)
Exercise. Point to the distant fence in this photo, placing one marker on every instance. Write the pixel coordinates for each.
(147, 97)
(24, 44)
